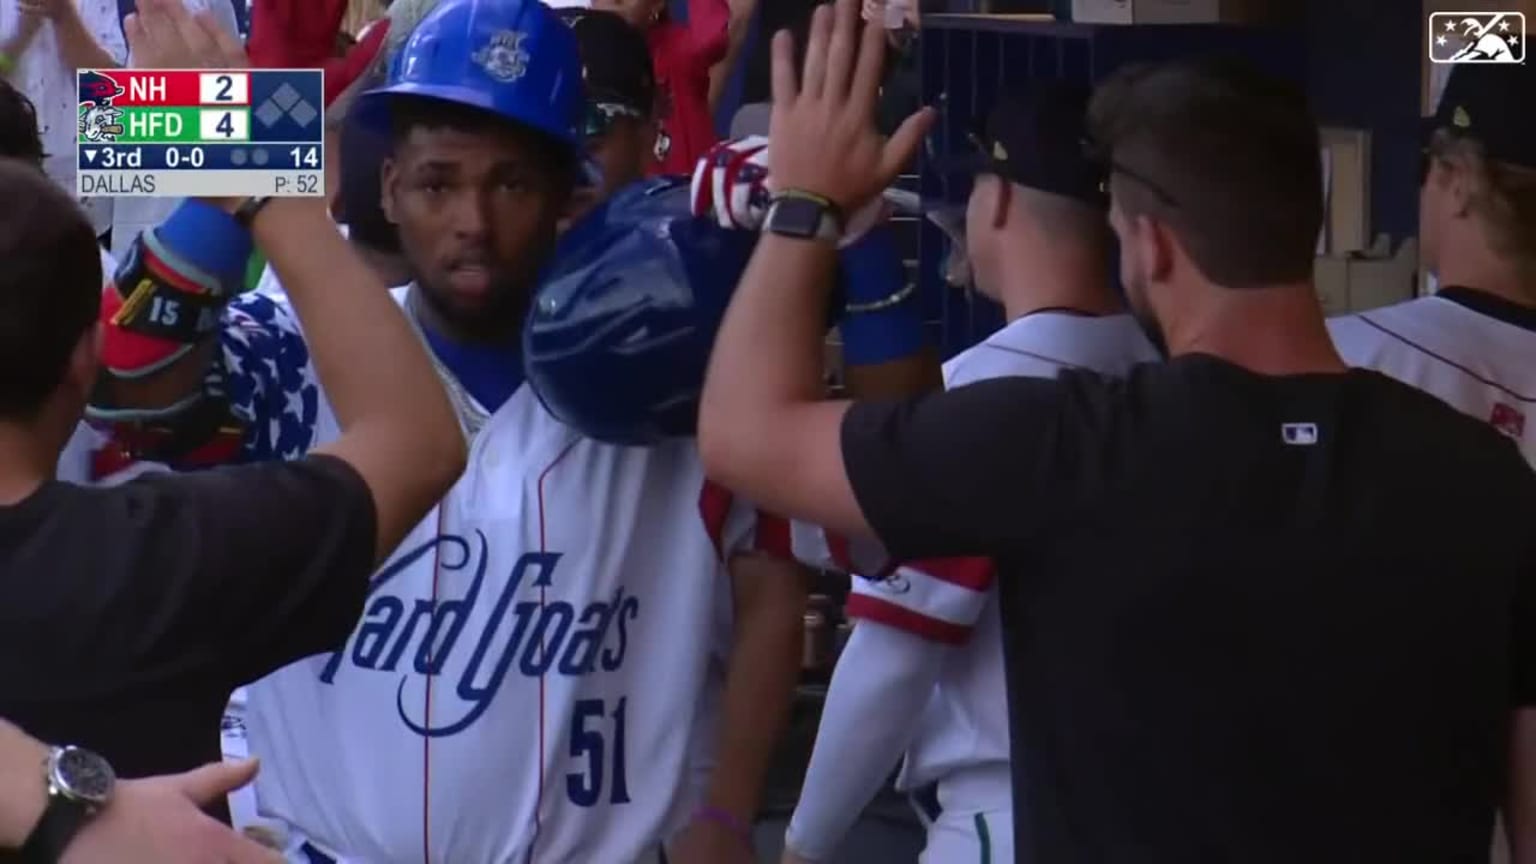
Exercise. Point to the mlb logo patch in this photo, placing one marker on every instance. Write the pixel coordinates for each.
(1299, 434)
(1508, 419)
(1477, 37)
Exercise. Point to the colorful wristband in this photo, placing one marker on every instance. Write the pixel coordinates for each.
(727, 819)
(209, 241)
(881, 320)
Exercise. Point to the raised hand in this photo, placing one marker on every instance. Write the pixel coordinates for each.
(49, 9)
(822, 126)
(162, 34)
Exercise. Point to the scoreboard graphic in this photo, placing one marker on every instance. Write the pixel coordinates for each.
(218, 133)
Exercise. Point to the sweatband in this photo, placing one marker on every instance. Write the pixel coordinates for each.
(210, 240)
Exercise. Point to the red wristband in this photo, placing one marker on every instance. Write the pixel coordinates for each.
(742, 830)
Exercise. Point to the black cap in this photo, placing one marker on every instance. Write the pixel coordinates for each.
(615, 63)
(1491, 102)
(1035, 137)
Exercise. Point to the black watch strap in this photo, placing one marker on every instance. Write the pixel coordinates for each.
(62, 819)
(245, 214)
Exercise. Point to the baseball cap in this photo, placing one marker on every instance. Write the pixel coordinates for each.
(170, 291)
(1491, 103)
(615, 68)
(1035, 137)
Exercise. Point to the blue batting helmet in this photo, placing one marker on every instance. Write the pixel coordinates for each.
(620, 330)
(513, 58)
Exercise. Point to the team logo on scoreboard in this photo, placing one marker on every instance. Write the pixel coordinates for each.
(101, 123)
(1477, 37)
(504, 57)
(98, 89)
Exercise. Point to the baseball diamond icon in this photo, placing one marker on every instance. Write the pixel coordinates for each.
(286, 101)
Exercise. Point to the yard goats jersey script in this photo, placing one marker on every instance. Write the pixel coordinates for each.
(534, 674)
(954, 601)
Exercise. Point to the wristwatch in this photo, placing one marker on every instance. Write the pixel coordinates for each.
(79, 784)
(804, 217)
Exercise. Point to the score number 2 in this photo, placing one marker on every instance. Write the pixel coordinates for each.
(585, 788)
(224, 88)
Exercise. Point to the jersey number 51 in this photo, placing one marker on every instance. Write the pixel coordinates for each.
(588, 741)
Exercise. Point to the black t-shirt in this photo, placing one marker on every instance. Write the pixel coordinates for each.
(130, 613)
(1246, 619)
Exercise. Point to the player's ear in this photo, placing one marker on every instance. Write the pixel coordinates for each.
(84, 362)
(1155, 245)
(389, 178)
(1002, 200)
(1460, 185)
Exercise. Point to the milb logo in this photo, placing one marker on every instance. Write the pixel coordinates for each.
(1477, 37)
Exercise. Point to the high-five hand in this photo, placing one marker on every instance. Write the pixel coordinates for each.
(159, 820)
(822, 128)
(162, 34)
(48, 9)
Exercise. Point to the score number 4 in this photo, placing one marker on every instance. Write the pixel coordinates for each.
(224, 89)
(585, 788)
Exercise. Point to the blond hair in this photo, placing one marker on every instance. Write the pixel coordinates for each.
(1503, 198)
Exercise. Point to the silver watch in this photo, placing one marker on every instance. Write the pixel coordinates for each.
(79, 783)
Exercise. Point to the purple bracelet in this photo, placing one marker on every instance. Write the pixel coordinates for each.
(727, 819)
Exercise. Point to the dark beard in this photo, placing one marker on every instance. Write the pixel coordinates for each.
(497, 324)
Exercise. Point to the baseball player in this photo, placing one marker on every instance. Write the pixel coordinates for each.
(620, 125)
(1474, 342)
(252, 360)
(569, 660)
(1143, 666)
(927, 652)
(164, 398)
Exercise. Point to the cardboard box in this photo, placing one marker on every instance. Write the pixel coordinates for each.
(1360, 281)
(1347, 193)
(1182, 11)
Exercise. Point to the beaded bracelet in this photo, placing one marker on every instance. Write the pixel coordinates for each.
(895, 299)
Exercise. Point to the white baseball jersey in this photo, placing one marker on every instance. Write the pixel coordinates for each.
(1475, 352)
(534, 670)
(954, 601)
